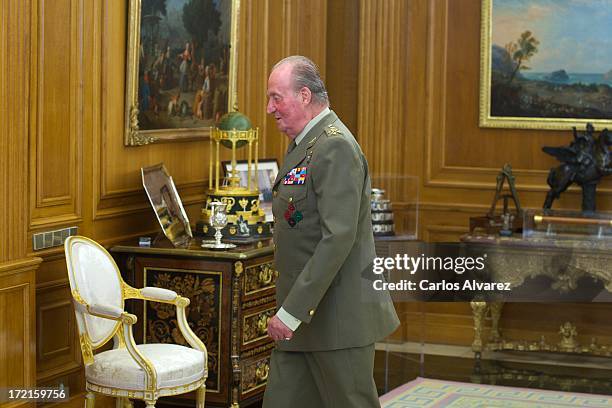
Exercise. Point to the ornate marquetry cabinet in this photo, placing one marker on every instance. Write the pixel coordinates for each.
(232, 298)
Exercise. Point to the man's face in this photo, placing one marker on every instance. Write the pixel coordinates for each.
(288, 107)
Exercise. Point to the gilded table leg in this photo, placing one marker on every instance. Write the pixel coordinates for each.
(496, 310)
(479, 308)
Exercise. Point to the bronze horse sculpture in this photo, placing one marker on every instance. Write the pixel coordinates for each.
(584, 162)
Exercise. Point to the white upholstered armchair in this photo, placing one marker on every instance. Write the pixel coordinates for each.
(146, 371)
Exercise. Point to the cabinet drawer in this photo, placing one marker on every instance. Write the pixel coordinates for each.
(254, 375)
(259, 280)
(255, 325)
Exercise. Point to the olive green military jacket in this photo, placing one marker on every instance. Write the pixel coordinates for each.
(325, 245)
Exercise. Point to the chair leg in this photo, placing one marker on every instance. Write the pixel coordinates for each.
(201, 396)
(150, 403)
(122, 402)
(90, 400)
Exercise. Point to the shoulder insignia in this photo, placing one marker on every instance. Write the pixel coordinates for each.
(332, 130)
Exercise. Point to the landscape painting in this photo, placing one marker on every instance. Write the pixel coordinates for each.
(546, 64)
(180, 68)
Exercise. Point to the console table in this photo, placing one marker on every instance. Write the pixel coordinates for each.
(232, 297)
(513, 260)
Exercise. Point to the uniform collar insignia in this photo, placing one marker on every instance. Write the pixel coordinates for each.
(331, 130)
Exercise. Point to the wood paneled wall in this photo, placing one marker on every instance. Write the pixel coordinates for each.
(402, 74)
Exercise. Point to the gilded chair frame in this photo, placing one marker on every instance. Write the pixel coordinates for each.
(122, 333)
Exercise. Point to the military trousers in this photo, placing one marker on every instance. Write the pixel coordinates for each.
(322, 379)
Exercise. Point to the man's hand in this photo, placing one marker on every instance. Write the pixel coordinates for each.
(277, 330)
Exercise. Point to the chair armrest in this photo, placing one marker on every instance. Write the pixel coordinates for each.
(193, 340)
(158, 294)
(168, 296)
(150, 293)
(112, 313)
(107, 310)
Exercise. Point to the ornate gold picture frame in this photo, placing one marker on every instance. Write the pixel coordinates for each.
(181, 68)
(535, 73)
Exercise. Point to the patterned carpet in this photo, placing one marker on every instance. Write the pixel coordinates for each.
(424, 392)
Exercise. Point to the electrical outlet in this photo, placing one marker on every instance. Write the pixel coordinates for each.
(50, 239)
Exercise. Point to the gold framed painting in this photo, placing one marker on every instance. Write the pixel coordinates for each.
(181, 68)
(545, 64)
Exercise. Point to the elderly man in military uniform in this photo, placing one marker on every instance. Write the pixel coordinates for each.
(329, 314)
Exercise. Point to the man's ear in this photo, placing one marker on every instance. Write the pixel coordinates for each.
(306, 95)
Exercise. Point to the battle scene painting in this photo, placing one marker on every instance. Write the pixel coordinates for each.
(183, 65)
(546, 63)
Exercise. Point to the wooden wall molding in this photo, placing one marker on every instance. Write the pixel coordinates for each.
(15, 305)
(56, 120)
(114, 205)
(189, 187)
(14, 114)
(55, 221)
(252, 46)
(17, 266)
(17, 319)
(57, 347)
(342, 48)
(382, 72)
(436, 88)
(45, 314)
(53, 284)
(283, 29)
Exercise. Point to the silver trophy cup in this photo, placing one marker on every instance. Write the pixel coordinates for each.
(218, 220)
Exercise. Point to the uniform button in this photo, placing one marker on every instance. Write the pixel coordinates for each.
(311, 313)
(275, 193)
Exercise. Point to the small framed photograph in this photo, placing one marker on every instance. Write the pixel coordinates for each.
(167, 205)
(267, 170)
